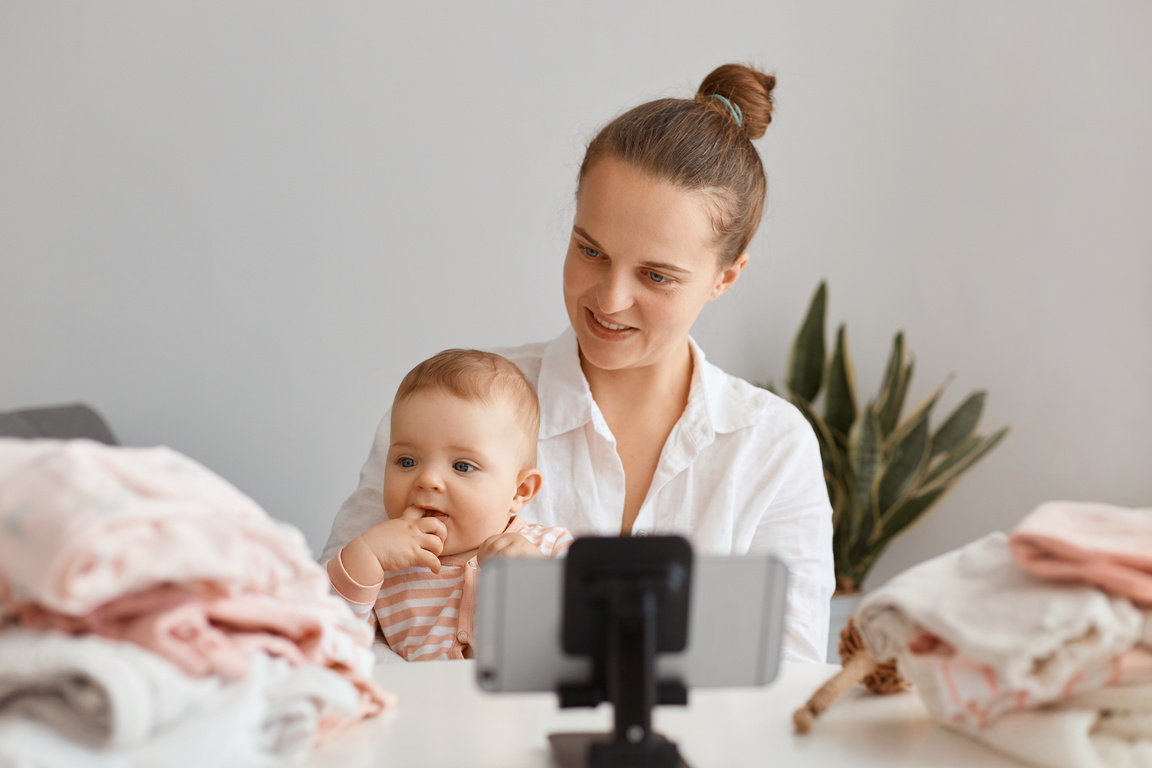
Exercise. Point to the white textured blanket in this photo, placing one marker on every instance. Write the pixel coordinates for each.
(1034, 634)
(88, 701)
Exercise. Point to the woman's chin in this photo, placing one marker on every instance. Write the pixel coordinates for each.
(607, 353)
(603, 359)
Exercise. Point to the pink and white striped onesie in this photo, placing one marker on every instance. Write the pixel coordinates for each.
(424, 615)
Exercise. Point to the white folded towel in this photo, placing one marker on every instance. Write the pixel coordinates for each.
(100, 692)
(1108, 727)
(1037, 639)
(70, 702)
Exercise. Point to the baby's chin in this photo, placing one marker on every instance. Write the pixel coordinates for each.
(454, 549)
(467, 554)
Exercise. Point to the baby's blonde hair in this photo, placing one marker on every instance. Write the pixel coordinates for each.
(476, 376)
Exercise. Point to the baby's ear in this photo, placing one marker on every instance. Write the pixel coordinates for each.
(528, 484)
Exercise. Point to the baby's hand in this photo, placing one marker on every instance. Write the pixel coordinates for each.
(506, 545)
(409, 540)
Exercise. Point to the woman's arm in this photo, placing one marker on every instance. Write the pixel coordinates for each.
(797, 525)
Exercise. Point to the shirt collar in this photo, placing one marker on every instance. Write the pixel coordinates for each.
(565, 398)
(716, 401)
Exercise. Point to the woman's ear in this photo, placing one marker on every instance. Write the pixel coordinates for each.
(727, 277)
(528, 484)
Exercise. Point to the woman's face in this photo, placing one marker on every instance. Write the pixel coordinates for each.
(640, 267)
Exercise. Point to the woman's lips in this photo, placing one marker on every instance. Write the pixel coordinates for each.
(608, 334)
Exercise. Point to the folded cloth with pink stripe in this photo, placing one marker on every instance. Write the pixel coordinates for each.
(1003, 654)
(1100, 544)
(148, 546)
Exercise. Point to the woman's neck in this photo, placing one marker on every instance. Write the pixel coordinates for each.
(662, 386)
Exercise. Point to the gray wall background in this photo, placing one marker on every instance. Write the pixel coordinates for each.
(232, 227)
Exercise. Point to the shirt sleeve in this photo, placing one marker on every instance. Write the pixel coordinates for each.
(797, 525)
(361, 598)
(365, 507)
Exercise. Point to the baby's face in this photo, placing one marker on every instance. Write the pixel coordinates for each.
(456, 460)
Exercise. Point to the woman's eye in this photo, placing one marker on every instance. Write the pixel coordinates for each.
(463, 466)
(407, 463)
(591, 253)
(656, 277)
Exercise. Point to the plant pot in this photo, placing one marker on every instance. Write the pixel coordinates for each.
(843, 606)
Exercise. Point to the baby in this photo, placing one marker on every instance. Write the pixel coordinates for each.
(461, 464)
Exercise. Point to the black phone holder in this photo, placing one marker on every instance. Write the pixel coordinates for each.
(625, 600)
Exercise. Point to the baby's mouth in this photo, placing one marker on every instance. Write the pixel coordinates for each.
(435, 513)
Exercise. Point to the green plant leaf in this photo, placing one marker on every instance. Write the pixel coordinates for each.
(905, 462)
(920, 413)
(945, 463)
(891, 397)
(841, 507)
(864, 463)
(905, 514)
(961, 459)
(905, 385)
(960, 424)
(806, 358)
(840, 389)
(841, 503)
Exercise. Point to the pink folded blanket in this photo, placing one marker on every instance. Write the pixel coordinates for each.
(1107, 546)
(83, 523)
(146, 545)
(206, 633)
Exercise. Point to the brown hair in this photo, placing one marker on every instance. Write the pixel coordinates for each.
(476, 376)
(698, 145)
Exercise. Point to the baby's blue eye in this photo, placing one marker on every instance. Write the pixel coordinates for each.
(463, 466)
(407, 463)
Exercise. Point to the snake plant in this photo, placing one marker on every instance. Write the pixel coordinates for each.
(883, 472)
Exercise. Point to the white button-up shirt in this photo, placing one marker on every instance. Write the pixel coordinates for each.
(740, 472)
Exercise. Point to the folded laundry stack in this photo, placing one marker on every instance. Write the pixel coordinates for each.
(151, 614)
(1038, 643)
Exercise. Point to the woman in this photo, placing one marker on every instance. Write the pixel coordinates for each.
(639, 434)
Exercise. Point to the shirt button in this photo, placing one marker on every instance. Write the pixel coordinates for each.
(473, 564)
(642, 532)
(462, 636)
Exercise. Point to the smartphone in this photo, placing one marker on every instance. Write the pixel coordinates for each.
(735, 625)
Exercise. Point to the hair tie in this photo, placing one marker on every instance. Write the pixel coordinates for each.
(737, 115)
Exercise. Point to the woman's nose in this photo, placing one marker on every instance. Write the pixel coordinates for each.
(615, 294)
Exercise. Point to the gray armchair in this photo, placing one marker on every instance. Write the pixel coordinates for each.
(60, 421)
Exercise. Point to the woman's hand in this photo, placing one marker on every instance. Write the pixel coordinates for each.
(506, 545)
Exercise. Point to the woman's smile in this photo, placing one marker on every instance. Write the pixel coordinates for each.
(607, 330)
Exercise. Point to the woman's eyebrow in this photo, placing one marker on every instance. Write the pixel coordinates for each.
(591, 240)
(664, 267)
(660, 265)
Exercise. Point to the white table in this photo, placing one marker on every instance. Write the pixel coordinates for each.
(443, 719)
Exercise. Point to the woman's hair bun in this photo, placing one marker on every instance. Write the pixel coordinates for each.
(748, 89)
